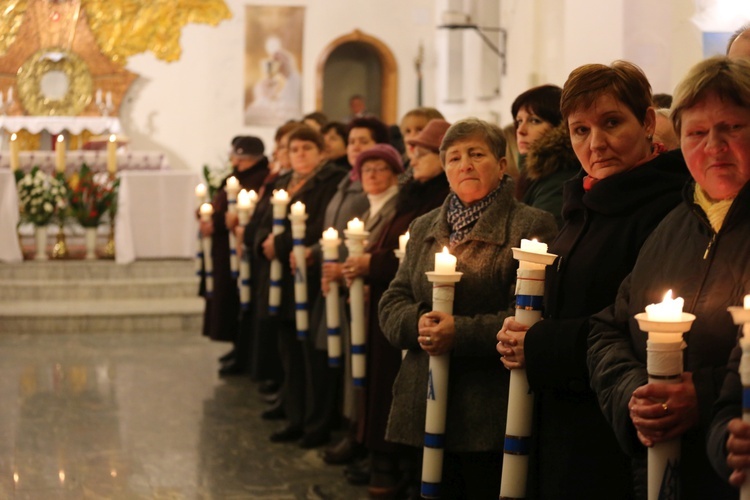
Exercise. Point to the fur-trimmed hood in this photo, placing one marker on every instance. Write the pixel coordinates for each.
(551, 153)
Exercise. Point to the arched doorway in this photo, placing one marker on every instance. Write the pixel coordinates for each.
(357, 64)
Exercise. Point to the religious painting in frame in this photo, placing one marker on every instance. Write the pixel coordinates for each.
(273, 64)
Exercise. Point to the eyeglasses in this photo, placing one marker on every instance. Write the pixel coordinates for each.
(375, 170)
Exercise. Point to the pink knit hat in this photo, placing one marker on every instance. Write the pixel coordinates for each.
(431, 135)
(381, 152)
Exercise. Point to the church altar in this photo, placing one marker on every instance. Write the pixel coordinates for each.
(58, 124)
(96, 160)
(155, 218)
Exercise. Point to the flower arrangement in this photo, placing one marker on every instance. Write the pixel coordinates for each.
(214, 177)
(91, 196)
(41, 197)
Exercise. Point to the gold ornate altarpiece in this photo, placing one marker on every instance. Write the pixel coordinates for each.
(89, 42)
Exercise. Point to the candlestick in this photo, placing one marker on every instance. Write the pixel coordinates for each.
(330, 245)
(14, 152)
(279, 200)
(741, 316)
(245, 208)
(207, 211)
(112, 155)
(298, 218)
(60, 154)
(355, 241)
(232, 187)
(443, 290)
(532, 260)
(664, 365)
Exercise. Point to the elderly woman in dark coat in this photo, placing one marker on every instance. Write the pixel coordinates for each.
(700, 252)
(480, 221)
(608, 213)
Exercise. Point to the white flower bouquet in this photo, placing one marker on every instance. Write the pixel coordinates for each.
(41, 197)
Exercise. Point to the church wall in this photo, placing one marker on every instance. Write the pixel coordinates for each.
(191, 108)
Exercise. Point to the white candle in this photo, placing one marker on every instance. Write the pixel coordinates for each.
(207, 210)
(98, 96)
(402, 241)
(244, 200)
(668, 310)
(233, 185)
(746, 302)
(330, 234)
(112, 154)
(109, 99)
(14, 152)
(10, 95)
(298, 208)
(253, 196)
(60, 154)
(280, 195)
(355, 226)
(533, 246)
(445, 263)
(200, 191)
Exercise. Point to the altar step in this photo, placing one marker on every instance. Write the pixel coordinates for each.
(99, 296)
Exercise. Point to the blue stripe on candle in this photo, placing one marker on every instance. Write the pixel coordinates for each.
(232, 251)
(298, 241)
(746, 398)
(334, 362)
(301, 334)
(245, 282)
(199, 255)
(358, 349)
(529, 302)
(276, 283)
(331, 261)
(273, 309)
(209, 295)
(359, 381)
(209, 274)
(434, 440)
(199, 273)
(301, 306)
(334, 331)
(430, 490)
(235, 274)
(231, 202)
(517, 445)
(245, 306)
(278, 222)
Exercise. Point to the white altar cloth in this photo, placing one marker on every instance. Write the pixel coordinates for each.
(96, 160)
(156, 215)
(57, 124)
(10, 251)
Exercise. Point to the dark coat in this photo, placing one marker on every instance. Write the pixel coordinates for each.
(383, 359)
(575, 453)
(478, 384)
(315, 194)
(222, 310)
(711, 272)
(550, 163)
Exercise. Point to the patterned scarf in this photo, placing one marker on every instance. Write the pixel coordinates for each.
(716, 211)
(462, 219)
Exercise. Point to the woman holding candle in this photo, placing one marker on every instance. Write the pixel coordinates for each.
(699, 251)
(423, 192)
(608, 214)
(480, 222)
(249, 168)
(312, 182)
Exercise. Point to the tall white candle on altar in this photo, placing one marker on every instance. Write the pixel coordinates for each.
(109, 99)
(10, 95)
(279, 201)
(112, 154)
(532, 260)
(200, 193)
(14, 163)
(298, 218)
(60, 154)
(443, 279)
(665, 323)
(330, 245)
(741, 316)
(355, 241)
(207, 211)
(98, 96)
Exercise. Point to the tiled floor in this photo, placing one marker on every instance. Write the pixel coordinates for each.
(141, 416)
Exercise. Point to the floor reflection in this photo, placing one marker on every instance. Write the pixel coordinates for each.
(141, 417)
